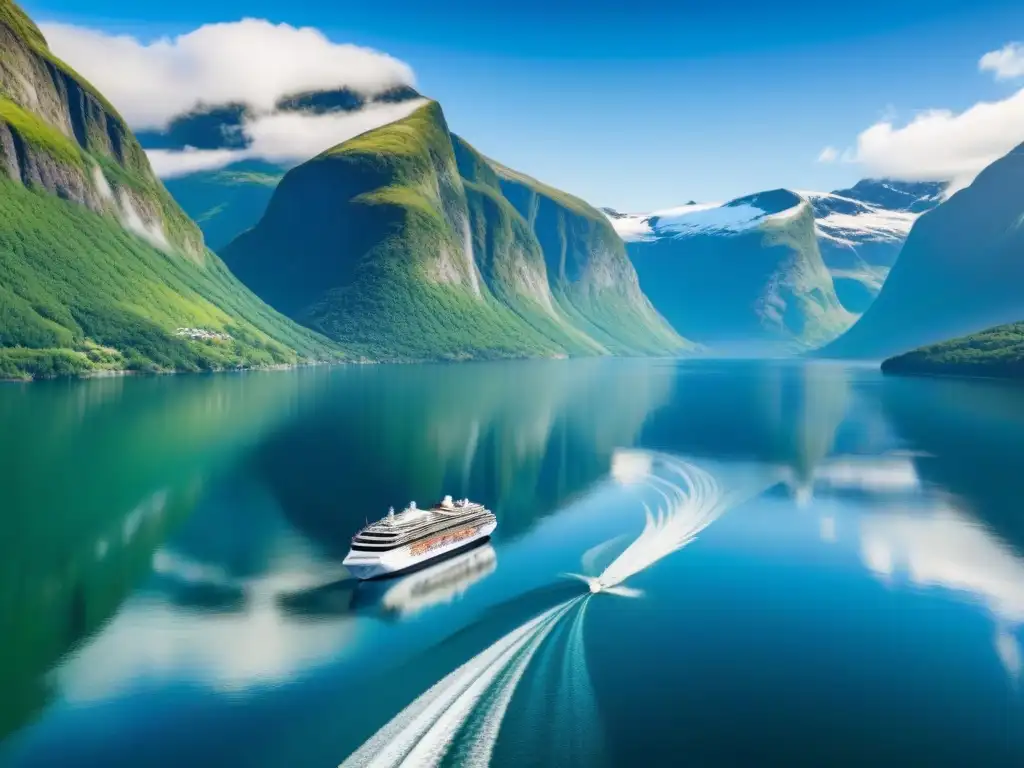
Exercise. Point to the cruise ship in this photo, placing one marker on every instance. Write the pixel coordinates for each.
(416, 536)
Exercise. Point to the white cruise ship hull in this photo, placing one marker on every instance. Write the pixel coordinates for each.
(372, 565)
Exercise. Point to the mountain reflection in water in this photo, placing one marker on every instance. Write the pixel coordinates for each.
(172, 549)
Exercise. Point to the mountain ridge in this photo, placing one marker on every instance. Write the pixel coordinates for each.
(860, 230)
(414, 249)
(743, 277)
(960, 271)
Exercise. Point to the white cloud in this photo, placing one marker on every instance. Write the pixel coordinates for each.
(251, 60)
(283, 137)
(1006, 63)
(289, 135)
(828, 155)
(168, 163)
(940, 144)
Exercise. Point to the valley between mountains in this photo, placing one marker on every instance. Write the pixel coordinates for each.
(403, 243)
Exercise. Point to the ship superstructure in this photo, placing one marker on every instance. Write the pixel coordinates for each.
(415, 535)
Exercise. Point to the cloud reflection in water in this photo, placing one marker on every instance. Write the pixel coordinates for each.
(924, 537)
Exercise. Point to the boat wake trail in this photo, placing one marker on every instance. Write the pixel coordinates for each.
(421, 734)
(467, 708)
(691, 499)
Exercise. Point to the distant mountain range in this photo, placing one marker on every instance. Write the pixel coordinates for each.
(960, 271)
(101, 268)
(745, 277)
(408, 244)
(859, 230)
(862, 229)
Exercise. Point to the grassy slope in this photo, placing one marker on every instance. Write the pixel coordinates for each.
(510, 257)
(374, 217)
(368, 215)
(996, 352)
(102, 134)
(77, 292)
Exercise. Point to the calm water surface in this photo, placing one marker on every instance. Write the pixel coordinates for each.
(811, 565)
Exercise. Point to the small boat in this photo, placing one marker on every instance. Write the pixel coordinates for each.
(415, 536)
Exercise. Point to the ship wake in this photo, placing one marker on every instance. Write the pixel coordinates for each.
(465, 710)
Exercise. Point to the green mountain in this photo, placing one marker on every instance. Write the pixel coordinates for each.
(408, 244)
(745, 277)
(227, 201)
(996, 352)
(99, 267)
(961, 270)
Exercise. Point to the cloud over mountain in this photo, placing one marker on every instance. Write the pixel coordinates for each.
(282, 137)
(268, 75)
(250, 61)
(941, 144)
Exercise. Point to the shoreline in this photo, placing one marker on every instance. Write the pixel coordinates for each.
(1017, 380)
(112, 373)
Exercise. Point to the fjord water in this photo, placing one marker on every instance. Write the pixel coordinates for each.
(832, 573)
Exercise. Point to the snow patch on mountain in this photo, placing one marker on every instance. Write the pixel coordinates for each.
(631, 227)
(698, 220)
(848, 222)
(695, 219)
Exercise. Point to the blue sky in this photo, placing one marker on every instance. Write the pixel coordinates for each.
(655, 104)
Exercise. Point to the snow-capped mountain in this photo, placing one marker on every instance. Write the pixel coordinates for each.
(859, 230)
(743, 277)
(961, 271)
(893, 195)
(862, 229)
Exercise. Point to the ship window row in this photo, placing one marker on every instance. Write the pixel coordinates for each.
(435, 526)
(379, 546)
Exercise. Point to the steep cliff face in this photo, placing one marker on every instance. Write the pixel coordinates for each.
(960, 271)
(101, 269)
(408, 245)
(58, 134)
(743, 278)
(589, 272)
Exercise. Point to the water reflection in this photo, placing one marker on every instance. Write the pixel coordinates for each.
(969, 461)
(178, 542)
(918, 534)
(441, 583)
(520, 437)
(212, 614)
(464, 712)
(100, 473)
(437, 583)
